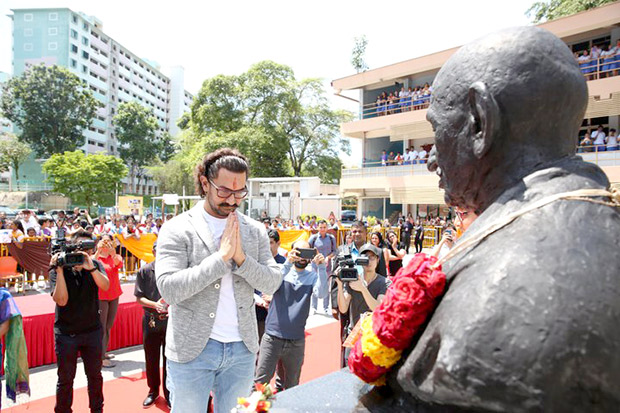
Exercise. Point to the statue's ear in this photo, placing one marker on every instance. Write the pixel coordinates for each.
(485, 118)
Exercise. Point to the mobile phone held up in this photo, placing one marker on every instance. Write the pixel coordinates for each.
(306, 253)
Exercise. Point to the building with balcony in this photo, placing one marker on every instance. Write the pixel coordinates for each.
(393, 125)
(114, 74)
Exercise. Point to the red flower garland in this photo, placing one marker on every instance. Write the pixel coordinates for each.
(406, 306)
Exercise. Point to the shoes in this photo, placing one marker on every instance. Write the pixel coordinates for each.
(109, 356)
(108, 364)
(150, 400)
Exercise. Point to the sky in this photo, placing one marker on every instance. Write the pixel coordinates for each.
(315, 38)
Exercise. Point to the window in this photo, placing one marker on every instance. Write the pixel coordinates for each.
(73, 63)
(27, 32)
(52, 46)
(85, 26)
(74, 33)
(272, 195)
(84, 54)
(84, 69)
(286, 194)
(53, 16)
(52, 31)
(84, 41)
(74, 48)
(28, 17)
(74, 18)
(28, 47)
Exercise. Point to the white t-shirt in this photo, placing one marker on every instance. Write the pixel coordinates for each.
(31, 223)
(599, 137)
(612, 141)
(413, 155)
(422, 154)
(226, 325)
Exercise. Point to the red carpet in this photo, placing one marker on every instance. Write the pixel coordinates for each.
(38, 316)
(125, 395)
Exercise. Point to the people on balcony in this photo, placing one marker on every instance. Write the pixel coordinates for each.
(599, 139)
(612, 141)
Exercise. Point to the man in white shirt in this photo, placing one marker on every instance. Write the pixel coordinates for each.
(413, 155)
(422, 156)
(210, 260)
(29, 220)
(599, 139)
(407, 157)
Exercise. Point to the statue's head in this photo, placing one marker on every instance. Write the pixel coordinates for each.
(502, 107)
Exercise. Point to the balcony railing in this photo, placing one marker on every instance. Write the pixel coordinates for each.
(377, 169)
(592, 69)
(395, 105)
(598, 154)
(601, 67)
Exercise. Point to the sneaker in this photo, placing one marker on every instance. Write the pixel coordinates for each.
(109, 356)
(108, 364)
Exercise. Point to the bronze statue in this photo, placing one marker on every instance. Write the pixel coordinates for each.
(530, 319)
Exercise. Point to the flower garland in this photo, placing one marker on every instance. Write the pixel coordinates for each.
(407, 304)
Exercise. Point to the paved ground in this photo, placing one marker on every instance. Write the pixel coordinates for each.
(128, 361)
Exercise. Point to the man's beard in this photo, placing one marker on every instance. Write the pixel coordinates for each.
(301, 264)
(223, 209)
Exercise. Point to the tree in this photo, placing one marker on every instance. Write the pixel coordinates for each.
(135, 127)
(86, 179)
(282, 124)
(51, 106)
(358, 53)
(12, 154)
(554, 9)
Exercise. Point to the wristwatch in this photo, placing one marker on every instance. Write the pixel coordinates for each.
(91, 270)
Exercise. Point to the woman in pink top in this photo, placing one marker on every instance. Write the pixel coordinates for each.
(108, 300)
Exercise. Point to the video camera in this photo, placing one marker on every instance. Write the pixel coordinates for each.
(69, 257)
(347, 263)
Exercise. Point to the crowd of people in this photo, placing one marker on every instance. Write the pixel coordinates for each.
(410, 157)
(600, 62)
(212, 261)
(412, 98)
(598, 141)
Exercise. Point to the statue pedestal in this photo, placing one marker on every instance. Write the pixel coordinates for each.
(337, 392)
(343, 392)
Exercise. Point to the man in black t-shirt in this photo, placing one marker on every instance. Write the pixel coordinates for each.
(154, 325)
(77, 328)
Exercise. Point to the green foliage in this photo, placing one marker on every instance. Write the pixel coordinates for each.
(51, 107)
(357, 54)
(554, 9)
(135, 127)
(12, 154)
(284, 126)
(86, 179)
(172, 176)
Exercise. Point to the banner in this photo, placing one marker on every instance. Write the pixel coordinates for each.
(128, 203)
(141, 248)
(287, 238)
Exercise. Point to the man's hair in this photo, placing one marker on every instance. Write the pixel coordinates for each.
(230, 159)
(274, 235)
(81, 233)
(359, 224)
(322, 222)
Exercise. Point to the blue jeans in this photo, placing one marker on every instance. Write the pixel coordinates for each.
(315, 302)
(227, 369)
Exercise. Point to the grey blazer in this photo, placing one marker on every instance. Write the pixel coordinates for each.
(189, 271)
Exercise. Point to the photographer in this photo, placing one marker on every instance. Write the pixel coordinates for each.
(365, 293)
(284, 339)
(77, 327)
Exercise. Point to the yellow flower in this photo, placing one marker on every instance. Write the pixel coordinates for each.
(372, 347)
